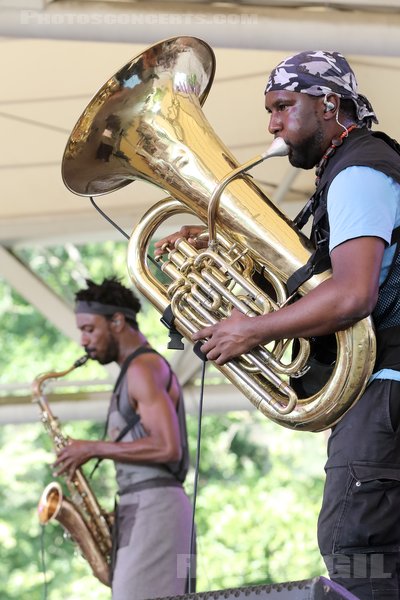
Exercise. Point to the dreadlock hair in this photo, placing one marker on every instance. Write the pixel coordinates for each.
(110, 291)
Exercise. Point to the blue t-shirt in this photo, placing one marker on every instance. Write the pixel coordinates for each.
(365, 202)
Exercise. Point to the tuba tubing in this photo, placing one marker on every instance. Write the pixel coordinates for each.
(147, 123)
(353, 365)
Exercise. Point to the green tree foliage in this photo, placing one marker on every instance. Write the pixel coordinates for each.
(259, 490)
(27, 548)
(30, 343)
(259, 486)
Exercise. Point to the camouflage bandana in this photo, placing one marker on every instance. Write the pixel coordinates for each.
(317, 73)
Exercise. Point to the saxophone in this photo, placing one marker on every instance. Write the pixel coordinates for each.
(81, 516)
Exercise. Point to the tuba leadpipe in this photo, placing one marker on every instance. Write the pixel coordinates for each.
(147, 123)
(80, 515)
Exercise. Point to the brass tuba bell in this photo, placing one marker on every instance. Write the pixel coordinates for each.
(146, 123)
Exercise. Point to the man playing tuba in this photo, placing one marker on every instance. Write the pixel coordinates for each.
(314, 105)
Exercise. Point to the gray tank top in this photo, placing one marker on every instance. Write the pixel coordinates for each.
(121, 413)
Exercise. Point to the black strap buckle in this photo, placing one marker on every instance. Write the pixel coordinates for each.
(175, 337)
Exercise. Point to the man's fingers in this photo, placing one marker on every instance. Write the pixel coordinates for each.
(189, 232)
(202, 334)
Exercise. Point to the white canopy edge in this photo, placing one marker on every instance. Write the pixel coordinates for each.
(93, 406)
(360, 31)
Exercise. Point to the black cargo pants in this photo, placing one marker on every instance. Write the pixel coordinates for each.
(359, 522)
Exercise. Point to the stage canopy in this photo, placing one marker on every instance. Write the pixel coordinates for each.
(56, 55)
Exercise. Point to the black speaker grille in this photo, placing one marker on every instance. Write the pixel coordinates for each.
(318, 588)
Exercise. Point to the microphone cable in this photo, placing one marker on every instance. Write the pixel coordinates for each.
(43, 562)
(107, 218)
(200, 414)
(196, 473)
(118, 228)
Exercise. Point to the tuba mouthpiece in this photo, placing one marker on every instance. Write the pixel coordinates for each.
(278, 148)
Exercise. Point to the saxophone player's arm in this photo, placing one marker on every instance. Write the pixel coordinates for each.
(147, 380)
(339, 302)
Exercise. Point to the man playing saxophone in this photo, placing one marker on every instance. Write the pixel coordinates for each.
(314, 105)
(147, 441)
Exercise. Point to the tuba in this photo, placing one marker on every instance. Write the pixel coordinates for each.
(80, 516)
(146, 123)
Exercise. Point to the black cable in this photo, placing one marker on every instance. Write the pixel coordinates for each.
(107, 218)
(155, 263)
(196, 475)
(43, 561)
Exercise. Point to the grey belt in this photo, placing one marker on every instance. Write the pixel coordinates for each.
(150, 483)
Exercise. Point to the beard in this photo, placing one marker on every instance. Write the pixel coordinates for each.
(307, 153)
(111, 353)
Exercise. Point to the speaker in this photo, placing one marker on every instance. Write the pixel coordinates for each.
(318, 588)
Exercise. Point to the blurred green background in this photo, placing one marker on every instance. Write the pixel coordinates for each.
(260, 485)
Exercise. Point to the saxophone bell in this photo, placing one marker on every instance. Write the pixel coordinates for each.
(53, 506)
(50, 503)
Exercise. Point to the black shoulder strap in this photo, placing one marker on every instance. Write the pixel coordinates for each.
(138, 352)
(318, 262)
(130, 416)
(127, 414)
(304, 215)
(395, 236)
(394, 144)
(127, 362)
